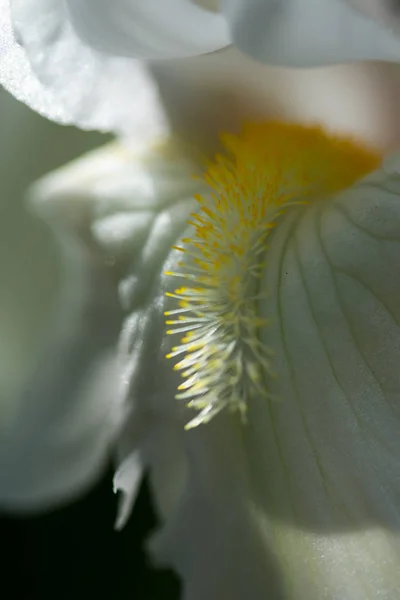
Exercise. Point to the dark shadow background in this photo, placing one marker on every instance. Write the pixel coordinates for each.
(74, 552)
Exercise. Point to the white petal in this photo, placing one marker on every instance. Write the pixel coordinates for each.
(56, 74)
(303, 501)
(59, 438)
(134, 205)
(56, 422)
(150, 29)
(304, 33)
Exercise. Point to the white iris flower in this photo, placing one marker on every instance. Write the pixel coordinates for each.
(258, 369)
(291, 488)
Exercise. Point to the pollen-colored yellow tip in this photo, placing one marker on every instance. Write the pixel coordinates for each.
(313, 159)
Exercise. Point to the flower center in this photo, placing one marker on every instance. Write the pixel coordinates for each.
(267, 169)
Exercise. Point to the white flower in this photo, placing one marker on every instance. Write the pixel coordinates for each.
(287, 483)
(76, 61)
(300, 500)
(57, 74)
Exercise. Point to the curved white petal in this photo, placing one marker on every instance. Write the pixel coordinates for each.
(132, 206)
(56, 422)
(303, 501)
(109, 210)
(150, 29)
(58, 439)
(58, 75)
(44, 64)
(304, 33)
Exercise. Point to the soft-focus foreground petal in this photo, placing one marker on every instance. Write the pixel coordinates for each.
(134, 206)
(291, 33)
(57, 439)
(44, 64)
(304, 33)
(150, 29)
(57, 74)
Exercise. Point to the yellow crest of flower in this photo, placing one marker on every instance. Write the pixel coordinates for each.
(267, 169)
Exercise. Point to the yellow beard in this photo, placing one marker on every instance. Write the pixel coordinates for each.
(268, 168)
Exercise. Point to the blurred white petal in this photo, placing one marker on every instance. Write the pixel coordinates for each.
(130, 206)
(64, 422)
(57, 74)
(55, 427)
(52, 71)
(306, 33)
(151, 29)
(61, 431)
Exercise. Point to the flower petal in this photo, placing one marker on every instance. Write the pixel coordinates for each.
(45, 65)
(303, 501)
(130, 206)
(305, 33)
(151, 29)
(59, 436)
